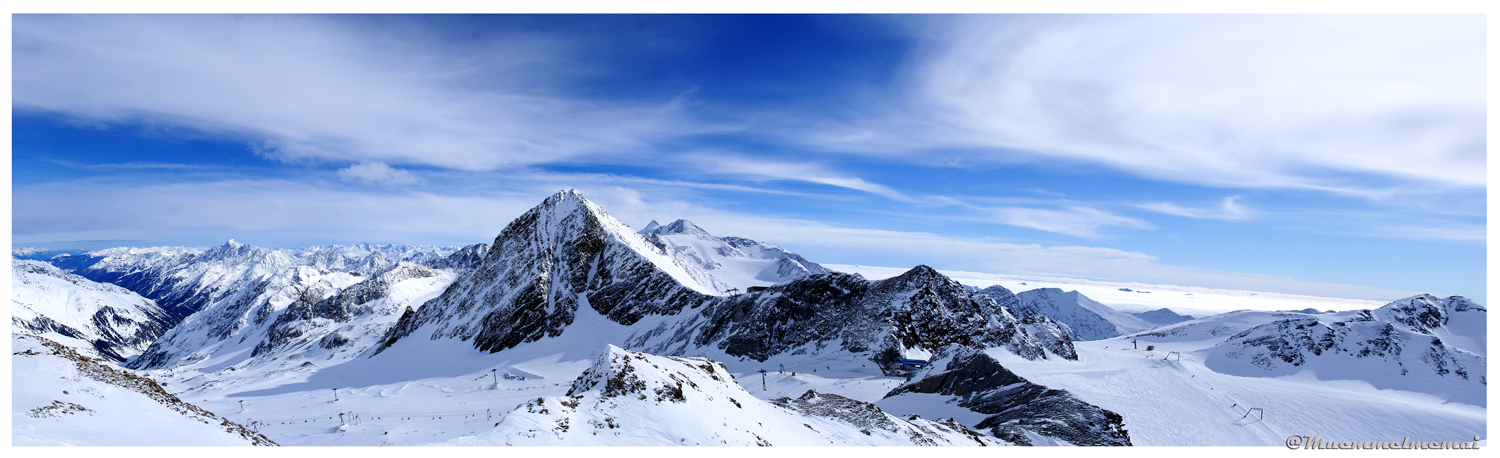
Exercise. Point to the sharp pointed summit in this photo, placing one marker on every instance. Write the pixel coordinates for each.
(563, 254)
(651, 227)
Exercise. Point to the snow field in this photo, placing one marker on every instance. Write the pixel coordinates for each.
(1181, 402)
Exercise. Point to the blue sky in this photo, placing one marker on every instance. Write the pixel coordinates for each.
(1327, 155)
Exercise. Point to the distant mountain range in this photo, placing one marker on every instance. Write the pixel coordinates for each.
(673, 309)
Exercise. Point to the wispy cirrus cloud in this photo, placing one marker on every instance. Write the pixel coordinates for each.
(1341, 104)
(756, 169)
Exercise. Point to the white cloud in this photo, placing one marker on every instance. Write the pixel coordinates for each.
(377, 173)
(330, 89)
(1335, 103)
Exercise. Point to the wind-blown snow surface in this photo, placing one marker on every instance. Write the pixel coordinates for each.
(729, 262)
(102, 318)
(59, 397)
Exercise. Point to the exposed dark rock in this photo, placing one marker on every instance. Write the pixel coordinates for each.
(1014, 405)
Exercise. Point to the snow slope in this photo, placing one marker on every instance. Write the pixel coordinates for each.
(59, 397)
(106, 320)
(631, 398)
(1393, 347)
(1407, 344)
(730, 262)
(1182, 402)
(305, 317)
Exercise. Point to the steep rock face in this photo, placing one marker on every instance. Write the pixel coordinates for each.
(111, 321)
(1394, 347)
(1012, 409)
(919, 309)
(729, 262)
(1088, 319)
(933, 311)
(632, 398)
(564, 253)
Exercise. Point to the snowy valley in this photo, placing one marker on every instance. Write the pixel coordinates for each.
(571, 328)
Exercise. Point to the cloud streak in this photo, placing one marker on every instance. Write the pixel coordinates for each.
(1228, 210)
(763, 170)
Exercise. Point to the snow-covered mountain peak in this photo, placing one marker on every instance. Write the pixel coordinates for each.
(923, 274)
(235, 251)
(728, 263)
(1458, 321)
(683, 226)
(651, 227)
(561, 255)
(1425, 312)
(568, 220)
(1086, 318)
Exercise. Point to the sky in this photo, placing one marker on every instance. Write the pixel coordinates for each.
(1330, 155)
